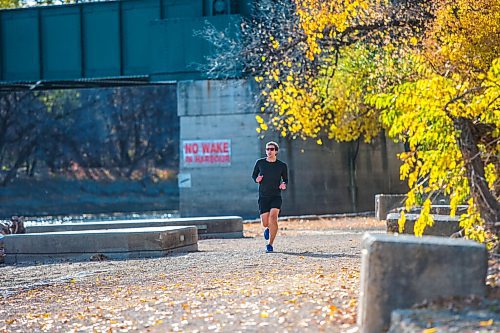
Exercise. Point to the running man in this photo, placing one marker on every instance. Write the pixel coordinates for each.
(272, 176)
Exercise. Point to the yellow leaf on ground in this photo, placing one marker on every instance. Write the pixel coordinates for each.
(430, 330)
(486, 322)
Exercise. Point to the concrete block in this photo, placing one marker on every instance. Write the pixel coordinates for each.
(399, 271)
(2, 257)
(444, 225)
(440, 209)
(208, 227)
(384, 203)
(113, 243)
(467, 319)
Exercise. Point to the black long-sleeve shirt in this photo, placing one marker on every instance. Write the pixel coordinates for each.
(274, 174)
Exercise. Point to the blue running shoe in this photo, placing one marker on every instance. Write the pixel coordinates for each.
(269, 248)
(266, 234)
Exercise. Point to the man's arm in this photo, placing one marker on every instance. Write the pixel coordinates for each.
(284, 177)
(255, 172)
(284, 174)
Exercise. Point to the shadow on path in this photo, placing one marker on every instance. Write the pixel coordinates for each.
(320, 255)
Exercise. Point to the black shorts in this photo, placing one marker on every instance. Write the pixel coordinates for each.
(266, 203)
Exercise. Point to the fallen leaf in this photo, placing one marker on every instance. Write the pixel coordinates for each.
(486, 322)
(430, 330)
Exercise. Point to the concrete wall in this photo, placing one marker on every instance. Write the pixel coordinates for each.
(214, 110)
(327, 179)
(321, 178)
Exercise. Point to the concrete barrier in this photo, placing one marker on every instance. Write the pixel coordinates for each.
(384, 203)
(443, 226)
(208, 227)
(399, 271)
(436, 209)
(113, 243)
(2, 258)
(468, 318)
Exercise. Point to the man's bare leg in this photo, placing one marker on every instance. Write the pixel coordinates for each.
(273, 224)
(264, 220)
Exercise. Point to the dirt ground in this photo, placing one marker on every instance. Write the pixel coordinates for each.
(310, 284)
(295, 226)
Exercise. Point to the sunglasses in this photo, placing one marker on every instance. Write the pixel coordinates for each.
(270, 148)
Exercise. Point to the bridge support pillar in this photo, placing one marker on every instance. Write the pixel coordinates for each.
(219, 146)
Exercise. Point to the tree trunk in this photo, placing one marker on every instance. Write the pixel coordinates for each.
(488, 205)
(22, 157)
(353, 188)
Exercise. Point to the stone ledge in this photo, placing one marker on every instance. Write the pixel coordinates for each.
(484, 317)
(2, 257)
(384, 203)
(208, 227)
(444, 225)
(400, 271)
(113, 243)
(435, 209)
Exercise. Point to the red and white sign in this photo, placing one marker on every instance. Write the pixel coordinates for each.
(196, 153)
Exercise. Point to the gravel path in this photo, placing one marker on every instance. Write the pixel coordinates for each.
(309, 284)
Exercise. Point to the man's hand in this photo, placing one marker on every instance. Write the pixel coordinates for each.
(283, 186)
(259, 178)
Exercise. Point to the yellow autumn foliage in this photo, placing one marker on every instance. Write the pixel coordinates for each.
(373, 72)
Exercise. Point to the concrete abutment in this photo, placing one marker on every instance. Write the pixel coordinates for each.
(323, 178)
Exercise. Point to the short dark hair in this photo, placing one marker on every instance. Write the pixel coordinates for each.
(274, 144)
